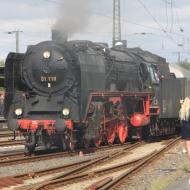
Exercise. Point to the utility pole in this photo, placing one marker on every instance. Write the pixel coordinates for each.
(180, 45)
(179, 57)
(116, 22)
(16, 32)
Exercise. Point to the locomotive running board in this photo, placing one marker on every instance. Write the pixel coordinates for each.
(104, 94)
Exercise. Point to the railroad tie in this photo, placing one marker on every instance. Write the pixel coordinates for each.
(9, 181)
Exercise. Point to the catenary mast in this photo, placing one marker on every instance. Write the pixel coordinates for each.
(116, 22)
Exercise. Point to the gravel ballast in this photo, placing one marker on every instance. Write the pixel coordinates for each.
(162, 173)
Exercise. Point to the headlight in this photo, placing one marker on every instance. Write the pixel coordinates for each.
(46, 54)
(18, 111)
(66, 112)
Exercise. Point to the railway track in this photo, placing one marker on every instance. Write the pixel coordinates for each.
(16, 158)
(113, 184)
(2, 119)
(81, 165)
(11, 143)
(7, 134)
(3, 127)
(125, 169)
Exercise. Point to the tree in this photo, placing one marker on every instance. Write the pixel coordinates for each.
(185, 64)
(2, 63)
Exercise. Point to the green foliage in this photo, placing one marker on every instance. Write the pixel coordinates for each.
(2, 63)
(185, 64)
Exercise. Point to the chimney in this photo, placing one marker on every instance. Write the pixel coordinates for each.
(59, 36)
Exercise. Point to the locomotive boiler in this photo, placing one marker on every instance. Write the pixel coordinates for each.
(76, 93)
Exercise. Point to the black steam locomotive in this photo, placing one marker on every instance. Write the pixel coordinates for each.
(77, 93)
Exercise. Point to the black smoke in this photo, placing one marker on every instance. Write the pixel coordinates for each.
(73, 17)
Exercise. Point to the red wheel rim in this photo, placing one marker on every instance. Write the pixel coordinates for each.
(122, 132)
(110, 135)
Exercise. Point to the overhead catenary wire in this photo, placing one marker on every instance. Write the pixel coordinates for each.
(172, 4)
(172, 15)
(167, 33)
(151, 15)
(155, 20)
(178, 21)
(166, 9)
(128, 21)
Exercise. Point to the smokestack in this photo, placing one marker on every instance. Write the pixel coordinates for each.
(59, 36)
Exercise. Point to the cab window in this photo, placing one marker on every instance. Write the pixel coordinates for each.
(153, 74)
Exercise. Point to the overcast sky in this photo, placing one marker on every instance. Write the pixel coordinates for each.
(165, 22)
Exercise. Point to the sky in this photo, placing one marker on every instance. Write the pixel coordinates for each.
(164, 22)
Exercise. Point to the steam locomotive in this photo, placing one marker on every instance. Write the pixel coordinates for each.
(77, 93)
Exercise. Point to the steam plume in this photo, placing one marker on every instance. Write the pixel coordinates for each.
(73, 16)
